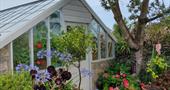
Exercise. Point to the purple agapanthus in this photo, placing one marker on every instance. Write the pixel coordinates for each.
(21, 67)
(40, 54)
(33, 68)
(86, 73)
(49, 53)
(42, 77)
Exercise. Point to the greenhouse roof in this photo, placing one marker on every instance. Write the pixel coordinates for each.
(18, 20)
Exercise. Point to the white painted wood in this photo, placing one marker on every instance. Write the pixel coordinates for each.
(101, 60)
(89, 60)
(48, 41)
(75, 11)
(77, 19)
(76, 3)
(11, 57)
(31, 47)
(75, 8)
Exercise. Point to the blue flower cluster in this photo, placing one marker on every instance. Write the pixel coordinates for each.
(22, 67)
(62, 56)
(42, 77)
(35, 72)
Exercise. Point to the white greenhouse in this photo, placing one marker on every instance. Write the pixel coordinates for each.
(20, 33)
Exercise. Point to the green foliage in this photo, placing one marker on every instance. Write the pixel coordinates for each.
(75, 42)
(156, 65)
(21, 49)
(113, 76)
(18, 81)
(122, 48)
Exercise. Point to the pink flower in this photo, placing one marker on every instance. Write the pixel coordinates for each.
(116, 88)
(158, 48)
(117, 76)
(125, 83)
(124, 75)
(111, 88)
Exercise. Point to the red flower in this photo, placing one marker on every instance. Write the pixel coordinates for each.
(39, 45)
(124, 75)
(125, 83)
(111, 88)
(142, 85)
(117, 76)
(38, 62)
(42, 62)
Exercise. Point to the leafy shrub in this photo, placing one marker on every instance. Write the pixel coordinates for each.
(117, 76)
(17, 81)
(156, 65)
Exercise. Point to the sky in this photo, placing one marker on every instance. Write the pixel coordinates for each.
(105, 15)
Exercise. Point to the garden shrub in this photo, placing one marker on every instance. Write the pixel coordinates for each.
(117, 76)
(17, 81)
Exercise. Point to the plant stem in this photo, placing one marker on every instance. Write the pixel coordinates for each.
(79, 75)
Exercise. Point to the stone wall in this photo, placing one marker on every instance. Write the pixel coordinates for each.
(5, 59)
(98, 67)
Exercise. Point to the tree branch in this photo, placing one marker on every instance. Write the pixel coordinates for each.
(119, 19)
(158, 16)
(141, 22)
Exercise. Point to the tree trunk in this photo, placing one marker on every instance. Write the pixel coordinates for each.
(138, 55)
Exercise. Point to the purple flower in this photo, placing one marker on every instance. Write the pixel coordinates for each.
(48, 53)
(40, 54)
(62, 57)
(42, 76)
(22, 67)
(85, 72)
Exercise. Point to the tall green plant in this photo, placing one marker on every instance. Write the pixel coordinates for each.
(76, 42)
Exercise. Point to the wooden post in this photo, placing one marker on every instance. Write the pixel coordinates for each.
(11, 57)
(48, 41)
(31, 47)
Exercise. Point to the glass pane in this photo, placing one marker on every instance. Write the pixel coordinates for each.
(95, 31)
(55, 23)
(21, 50)
(40, 40)
(103, 43)
(55, 27)
(110, 48)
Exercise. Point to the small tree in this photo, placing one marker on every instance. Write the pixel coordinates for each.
(75, 42)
